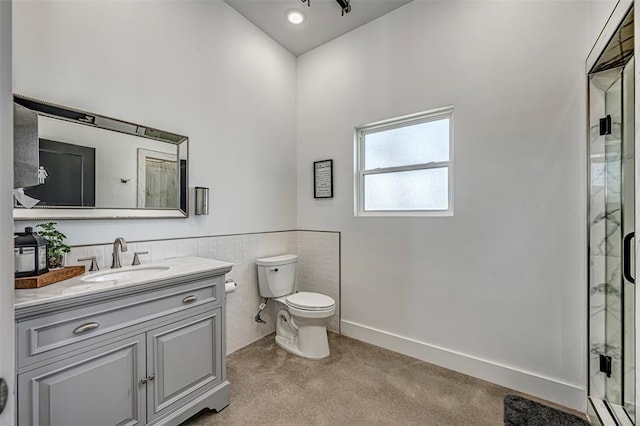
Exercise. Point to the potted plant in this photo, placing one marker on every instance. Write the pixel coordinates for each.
(57, 248)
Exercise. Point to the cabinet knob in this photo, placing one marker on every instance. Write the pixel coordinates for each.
(152, 377)
(143, 381)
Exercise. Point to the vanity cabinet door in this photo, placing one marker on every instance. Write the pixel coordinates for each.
(183, 361)
(96, 388)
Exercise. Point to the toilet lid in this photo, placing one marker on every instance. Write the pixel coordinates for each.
(283, 259)
(310, 301)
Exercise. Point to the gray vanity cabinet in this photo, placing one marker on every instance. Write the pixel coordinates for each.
(97, 364)
(181, 359)
(96, 388)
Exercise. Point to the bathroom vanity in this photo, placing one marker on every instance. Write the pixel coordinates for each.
(145, 348)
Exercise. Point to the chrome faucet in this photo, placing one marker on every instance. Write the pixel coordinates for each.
(118, 245)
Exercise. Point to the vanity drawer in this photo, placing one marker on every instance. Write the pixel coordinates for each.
(54, 334)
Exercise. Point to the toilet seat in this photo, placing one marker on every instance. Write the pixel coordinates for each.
(308, 301)
(313, 305)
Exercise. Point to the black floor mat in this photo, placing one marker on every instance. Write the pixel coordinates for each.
(519, 411)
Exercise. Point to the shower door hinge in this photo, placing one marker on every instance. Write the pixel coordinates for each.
(605, 126)
(605, 365)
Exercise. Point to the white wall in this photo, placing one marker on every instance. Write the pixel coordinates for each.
(189, 67)
(599, 12)
(7, 355)
(499, 289)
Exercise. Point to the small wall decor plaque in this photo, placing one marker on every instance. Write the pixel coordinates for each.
(323, 179)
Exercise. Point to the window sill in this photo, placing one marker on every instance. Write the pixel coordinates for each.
(417, 213)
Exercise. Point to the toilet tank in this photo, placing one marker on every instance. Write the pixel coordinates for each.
(277, 275)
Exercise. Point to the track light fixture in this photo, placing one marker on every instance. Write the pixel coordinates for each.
(345, 5)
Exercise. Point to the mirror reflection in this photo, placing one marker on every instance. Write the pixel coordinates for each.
(92, 162)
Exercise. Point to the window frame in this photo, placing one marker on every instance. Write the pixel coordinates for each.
(393, 123)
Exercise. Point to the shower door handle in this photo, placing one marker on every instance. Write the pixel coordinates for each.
(626, 257)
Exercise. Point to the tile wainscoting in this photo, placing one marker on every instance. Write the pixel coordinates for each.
(319, 267)
(318, 270)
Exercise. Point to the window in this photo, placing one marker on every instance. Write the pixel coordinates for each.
(404, 166)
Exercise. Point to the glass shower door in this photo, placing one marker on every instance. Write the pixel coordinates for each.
(612, 223)
(613, 241)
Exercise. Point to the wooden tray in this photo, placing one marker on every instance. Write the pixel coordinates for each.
(50, 277)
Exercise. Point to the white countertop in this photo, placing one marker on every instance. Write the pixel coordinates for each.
(75, 287)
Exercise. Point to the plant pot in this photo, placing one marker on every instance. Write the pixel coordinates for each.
(56, 262)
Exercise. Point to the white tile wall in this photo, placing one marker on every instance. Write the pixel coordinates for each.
(319, 267)
(318, 270)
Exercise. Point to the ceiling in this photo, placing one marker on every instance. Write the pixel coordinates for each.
(323, 19)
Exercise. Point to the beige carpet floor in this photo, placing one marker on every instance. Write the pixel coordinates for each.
(358, 384)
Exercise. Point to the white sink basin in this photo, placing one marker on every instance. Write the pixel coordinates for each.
(128, 273)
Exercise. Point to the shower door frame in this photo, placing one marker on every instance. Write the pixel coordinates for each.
(636, 31)
(596, 408)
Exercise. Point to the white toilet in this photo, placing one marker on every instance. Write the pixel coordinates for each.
(300, 322)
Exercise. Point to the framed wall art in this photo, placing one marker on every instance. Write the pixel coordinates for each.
(323, 179)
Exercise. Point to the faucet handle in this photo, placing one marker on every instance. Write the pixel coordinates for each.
(136, 258)
(94, 263)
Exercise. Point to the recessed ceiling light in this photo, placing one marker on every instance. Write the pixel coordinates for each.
(295, 17)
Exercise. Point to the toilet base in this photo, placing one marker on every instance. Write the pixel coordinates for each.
(310, 341)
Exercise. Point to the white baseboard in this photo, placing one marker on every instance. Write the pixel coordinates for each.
(566, 394)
